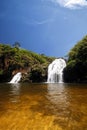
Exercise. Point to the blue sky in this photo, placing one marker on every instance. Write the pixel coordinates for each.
(50, 27)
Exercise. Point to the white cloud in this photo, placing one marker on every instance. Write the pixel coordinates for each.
(72, 4)
(43, 22)
(39, 22)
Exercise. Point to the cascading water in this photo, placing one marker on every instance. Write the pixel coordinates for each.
(55, 71)
(16, 78)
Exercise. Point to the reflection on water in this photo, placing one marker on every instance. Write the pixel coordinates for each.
(15, 92)
(43, 107)
(15, 89)
(58, 96)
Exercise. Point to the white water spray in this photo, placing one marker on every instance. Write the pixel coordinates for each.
(55, 71)
(16, 78)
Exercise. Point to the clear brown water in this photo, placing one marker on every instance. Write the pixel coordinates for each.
(43, 106)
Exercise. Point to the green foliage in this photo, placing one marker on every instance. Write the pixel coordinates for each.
(76, 70)
(1, 72)
(14, 58)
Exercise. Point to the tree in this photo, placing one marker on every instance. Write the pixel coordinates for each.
(76, 69)
(16, 44)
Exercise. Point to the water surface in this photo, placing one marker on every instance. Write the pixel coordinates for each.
(43, 106)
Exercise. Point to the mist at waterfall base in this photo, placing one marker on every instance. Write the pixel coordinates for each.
(55, 71)
(16, 78)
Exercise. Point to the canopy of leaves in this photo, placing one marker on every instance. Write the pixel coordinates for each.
(13, 58)
(76, 70)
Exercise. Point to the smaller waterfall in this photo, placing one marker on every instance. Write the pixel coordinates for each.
(16, 78)
(55, 71)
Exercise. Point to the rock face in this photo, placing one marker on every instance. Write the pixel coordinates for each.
(36, 74)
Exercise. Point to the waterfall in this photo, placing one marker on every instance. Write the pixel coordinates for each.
(16, 78)
(55, 71)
